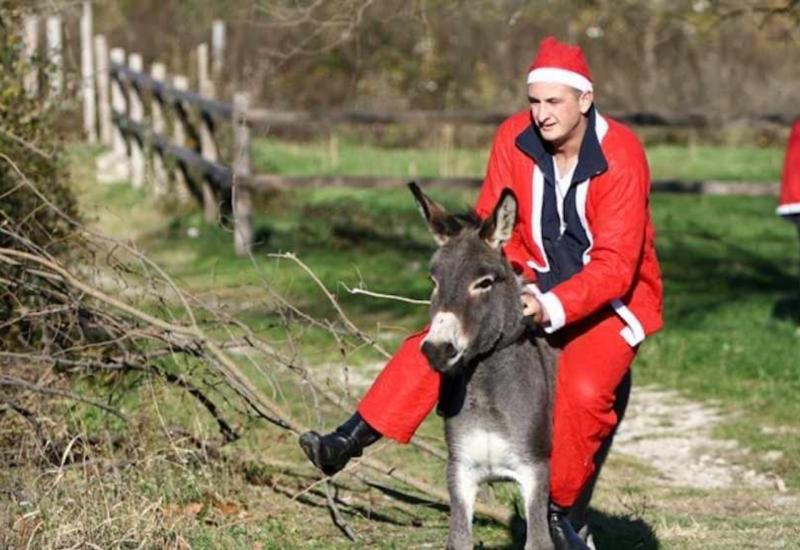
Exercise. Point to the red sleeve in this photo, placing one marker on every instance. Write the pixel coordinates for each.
(618, 228)
(789, 199)
(499, 175)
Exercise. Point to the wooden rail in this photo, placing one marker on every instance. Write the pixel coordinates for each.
(268, 117)
(170, 95)
(271, 182)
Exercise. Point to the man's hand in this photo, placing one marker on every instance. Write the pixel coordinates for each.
(533, 308)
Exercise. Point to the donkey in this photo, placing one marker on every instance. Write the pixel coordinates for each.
(497, 377)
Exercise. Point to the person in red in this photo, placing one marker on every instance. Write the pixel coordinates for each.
(584, 244)
(789, 201)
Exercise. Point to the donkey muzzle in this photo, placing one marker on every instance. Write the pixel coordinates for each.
(442, 356)
(445, 343)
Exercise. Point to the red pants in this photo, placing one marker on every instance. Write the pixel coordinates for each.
(593, 361)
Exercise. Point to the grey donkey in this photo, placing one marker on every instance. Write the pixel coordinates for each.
(497, 376)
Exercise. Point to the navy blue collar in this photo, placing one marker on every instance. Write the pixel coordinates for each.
(591, 160)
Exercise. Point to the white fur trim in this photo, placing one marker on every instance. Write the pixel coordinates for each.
(536, 229)
(600, 126)
(531, 288)
(582, 192)
(552, 305)
(560, 76)
(788, 209)
(580, 205)
(633, 333)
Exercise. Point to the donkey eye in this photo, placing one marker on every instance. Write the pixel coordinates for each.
(483, 284)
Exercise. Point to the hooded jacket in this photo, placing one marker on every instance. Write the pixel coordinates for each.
(604, 254)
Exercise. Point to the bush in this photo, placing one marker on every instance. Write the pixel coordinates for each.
(36, 204)
(31, 151)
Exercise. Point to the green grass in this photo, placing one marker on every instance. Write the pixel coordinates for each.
(704, 162)
(732, 288)
(732, 301)
(344, 158)
(730, 266)
(325, 158)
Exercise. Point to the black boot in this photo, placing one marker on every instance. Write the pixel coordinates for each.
(331, 452)
(561, 531)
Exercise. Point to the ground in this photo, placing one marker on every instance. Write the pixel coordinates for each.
(707, 456)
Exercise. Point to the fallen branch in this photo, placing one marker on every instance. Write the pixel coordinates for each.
(334, 302)
(336, 515)
(394, 297)
(143, 328)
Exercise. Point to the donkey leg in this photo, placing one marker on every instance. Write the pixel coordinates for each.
(534, 484)
(462, 484)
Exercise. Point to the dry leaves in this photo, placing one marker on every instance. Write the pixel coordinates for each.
(212, 508)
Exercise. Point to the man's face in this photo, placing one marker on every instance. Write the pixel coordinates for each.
(558, 110)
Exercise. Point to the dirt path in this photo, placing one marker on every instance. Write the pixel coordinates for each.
(674, 435)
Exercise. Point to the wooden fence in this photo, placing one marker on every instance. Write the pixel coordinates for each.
(202, 170)
(164, 135)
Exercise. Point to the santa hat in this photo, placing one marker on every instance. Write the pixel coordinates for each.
(560, 63)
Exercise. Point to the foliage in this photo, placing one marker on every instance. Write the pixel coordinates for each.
(27, 139)
(30, 153)
(720, 58)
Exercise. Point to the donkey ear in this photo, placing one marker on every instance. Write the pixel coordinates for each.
(497, 228)
(434, 214)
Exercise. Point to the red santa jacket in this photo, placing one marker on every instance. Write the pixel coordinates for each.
(609, 198)
(789, 202)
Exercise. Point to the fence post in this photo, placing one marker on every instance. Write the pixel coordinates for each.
(104, 107)
(180, 82)
(87, 75)
(207, 146)
(204, 84)
(54, 56)
(159, 72)
(446, 151)
(217, 49)
(119, 106)
(30, 45)
(136, 113)
(241, 198)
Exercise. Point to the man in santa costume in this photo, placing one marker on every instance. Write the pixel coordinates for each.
(583, 242)
(789, 201)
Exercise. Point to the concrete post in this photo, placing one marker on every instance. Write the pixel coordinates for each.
(87, 75)
(242, 197)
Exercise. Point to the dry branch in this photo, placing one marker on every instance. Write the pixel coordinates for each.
(95, 329)
(334, 302)
(383, 296)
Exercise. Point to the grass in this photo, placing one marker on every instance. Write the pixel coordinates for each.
(732, 302)
(730, 267)
(732, 311)
(667, 162)
(705, 162)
